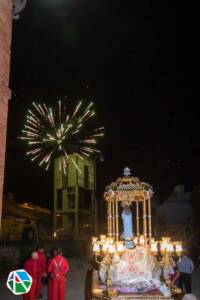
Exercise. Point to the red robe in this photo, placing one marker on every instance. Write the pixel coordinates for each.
(41, 270)
(58, 267)
(31, 266)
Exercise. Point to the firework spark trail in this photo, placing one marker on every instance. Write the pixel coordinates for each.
(76, 109)
(52, 133)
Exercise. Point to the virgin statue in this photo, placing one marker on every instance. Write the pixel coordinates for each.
(127, 223)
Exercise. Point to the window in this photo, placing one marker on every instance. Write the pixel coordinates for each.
(85, 198)
(59, 221)
(86, 176)
(65, 177)
(71, 201)
(59, 199)
(71, 190)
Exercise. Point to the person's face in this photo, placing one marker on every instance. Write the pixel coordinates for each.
(127, 209)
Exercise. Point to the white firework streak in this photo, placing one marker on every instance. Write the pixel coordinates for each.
(52, 136)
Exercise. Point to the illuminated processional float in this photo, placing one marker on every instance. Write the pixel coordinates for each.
(132, 264)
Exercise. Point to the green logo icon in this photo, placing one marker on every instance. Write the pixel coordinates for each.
(19, 282)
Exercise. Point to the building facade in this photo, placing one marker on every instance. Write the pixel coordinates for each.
(5, 42)
(74, 195)
(25, 221)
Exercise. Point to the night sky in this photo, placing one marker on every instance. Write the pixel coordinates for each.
(132, 58)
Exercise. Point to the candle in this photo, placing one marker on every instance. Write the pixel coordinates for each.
(111, 240)
(165, 244)
(94, 239)
(105, 247)
(141, 240)
(179, 248)
(102, 237)
(154, 247)
(111, 249)
(120, 246)
(170, 247)
(96, 248)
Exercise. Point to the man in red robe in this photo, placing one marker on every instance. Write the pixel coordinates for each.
(41, 271)
(31, 266)
(58, 267)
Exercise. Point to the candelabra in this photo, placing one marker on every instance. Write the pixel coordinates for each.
(165, 249)
(105, 248)
(165, 246)
(108, 250)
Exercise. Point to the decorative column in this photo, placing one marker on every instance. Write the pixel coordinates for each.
(149, 217)
(144, 219)
(6, 7)
(137, 218)
(113, 217)
(117, 220)
(109, 218)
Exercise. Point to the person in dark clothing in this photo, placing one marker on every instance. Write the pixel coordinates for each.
(186, 266)
(88, 284)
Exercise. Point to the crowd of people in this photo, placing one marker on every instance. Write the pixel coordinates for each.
(51, 271)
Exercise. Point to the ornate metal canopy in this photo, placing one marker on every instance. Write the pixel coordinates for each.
(128, 189)
(125, 191)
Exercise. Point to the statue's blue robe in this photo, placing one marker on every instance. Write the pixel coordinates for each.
(127, 225)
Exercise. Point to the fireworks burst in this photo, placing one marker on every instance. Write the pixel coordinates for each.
(50, 134)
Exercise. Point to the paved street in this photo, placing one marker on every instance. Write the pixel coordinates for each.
(76, 283)
(196, 283)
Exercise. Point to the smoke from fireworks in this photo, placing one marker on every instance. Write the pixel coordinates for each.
(50, 134)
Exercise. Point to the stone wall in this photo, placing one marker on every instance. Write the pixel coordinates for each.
(11, 254)
(5, 42)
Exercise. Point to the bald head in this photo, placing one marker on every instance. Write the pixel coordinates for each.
(34, 255)
(189, 297)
